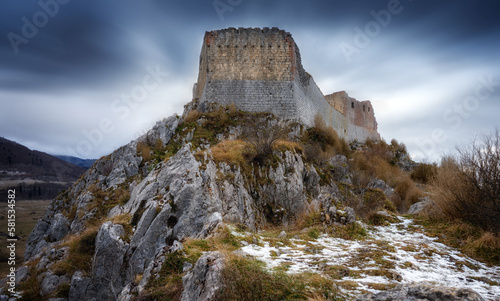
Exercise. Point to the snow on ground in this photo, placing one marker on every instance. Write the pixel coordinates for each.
(391, 255)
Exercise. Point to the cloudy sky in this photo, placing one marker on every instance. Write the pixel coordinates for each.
(67, 67)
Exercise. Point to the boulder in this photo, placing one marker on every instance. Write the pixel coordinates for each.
(78, 287)
(49, 284)
(380, 184)
(204, 281)
(339, 166)
(419, 206)
(110, 249)
(58, 228)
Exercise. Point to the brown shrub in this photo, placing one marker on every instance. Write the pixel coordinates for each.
(144, 151)
(322, 142)
(487, 246)
(192, 116)
(424, 173)
(468, 187)
(261, 133)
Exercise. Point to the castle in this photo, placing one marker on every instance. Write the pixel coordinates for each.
(260, 70)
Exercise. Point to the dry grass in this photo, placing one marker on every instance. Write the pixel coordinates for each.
(233, 152)
(376, 162)
(192, 116)
(322, 142)
(144, 151)
(282, 145)
(460, 192)
(81, 251)
(247, 279)
(471, 240)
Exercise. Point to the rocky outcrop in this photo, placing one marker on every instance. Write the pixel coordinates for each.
(163, 202)
(423, 292)
(107, 172)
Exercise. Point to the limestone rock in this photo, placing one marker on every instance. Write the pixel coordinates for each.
(36, 241)
(22, 274)
(339, 166)
(282, 234)
(78, 287)
(419, 206)
(423, 292)
(380, 184)
(58, 228)
(311, 180)
(110, 249)
(204, 281)
(49, 284)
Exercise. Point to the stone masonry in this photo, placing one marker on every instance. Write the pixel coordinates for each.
(260, 70)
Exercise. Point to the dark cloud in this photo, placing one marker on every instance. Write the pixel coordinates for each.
(64, 80)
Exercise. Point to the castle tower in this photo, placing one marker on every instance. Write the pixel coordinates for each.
(260, 70)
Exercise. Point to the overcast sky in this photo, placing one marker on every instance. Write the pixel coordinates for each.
(431, 70)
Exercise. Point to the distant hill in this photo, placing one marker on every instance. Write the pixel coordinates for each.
(34, 174)
(84, 163)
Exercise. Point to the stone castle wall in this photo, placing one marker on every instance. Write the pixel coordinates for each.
(260, 70)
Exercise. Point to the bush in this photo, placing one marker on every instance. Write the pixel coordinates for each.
(144, 151)
(468, 187)
(322, 142)
(424, 173)
(261, 133)
(192, 116)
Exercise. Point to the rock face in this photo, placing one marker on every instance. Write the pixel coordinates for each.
(204, 281)
(423, 292)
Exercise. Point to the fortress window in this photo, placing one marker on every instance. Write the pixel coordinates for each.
(352, 104)
(363, 108)
(368, 109)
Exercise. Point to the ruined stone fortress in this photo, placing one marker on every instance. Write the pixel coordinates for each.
(260, 70)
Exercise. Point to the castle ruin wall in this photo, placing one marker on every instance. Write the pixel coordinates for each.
(260, 70)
